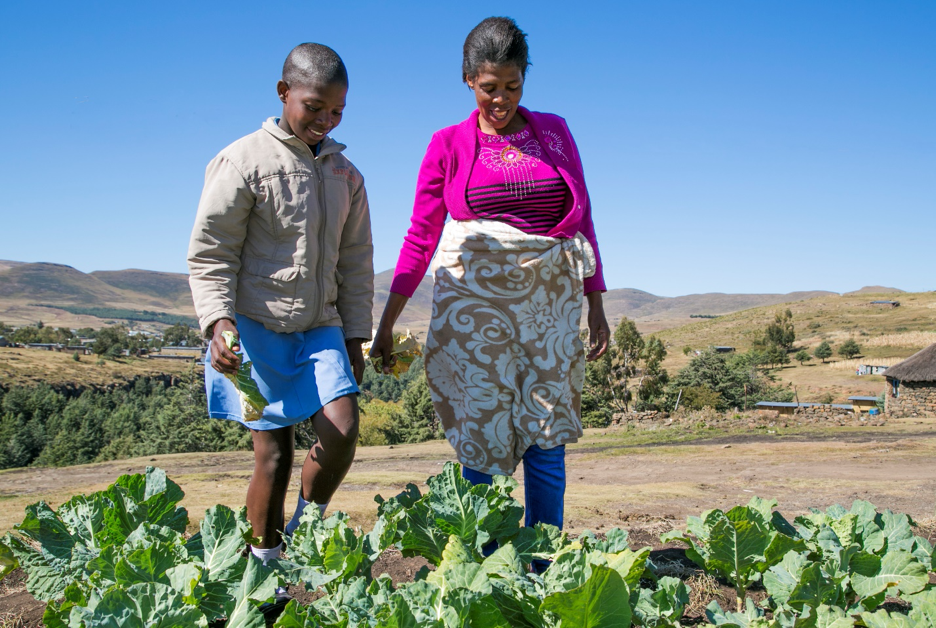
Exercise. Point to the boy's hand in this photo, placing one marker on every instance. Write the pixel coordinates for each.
(353, 345)
(223, 360)
(382, 348)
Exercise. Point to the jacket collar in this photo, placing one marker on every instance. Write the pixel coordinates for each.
(329, 145)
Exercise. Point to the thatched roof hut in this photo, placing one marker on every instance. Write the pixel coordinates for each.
(911, 385)
(920, 367)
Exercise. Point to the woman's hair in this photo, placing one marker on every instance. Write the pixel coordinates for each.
(498, 41)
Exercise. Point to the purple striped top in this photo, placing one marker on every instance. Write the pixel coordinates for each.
(513, 180)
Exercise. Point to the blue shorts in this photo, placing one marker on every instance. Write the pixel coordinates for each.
(298, 373)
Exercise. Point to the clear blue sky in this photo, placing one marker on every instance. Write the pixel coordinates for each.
(729, 145)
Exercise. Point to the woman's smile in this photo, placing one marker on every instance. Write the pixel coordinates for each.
(498, 90)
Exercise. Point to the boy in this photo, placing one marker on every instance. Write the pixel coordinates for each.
(281, 255)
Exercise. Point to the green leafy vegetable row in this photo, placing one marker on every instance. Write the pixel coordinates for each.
(120, 558)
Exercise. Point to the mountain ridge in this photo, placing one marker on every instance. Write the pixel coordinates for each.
(24, 284)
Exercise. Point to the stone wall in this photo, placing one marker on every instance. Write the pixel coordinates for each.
(650, 418)
(914, 399)
(825, 412)
(815, 415)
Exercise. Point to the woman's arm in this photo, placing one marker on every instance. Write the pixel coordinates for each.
(429, 213)
(428, 219)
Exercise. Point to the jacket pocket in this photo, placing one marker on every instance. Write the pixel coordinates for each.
(267, 288)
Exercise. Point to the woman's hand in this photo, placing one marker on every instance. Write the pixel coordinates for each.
(383, 340)
(224, 360)
(599, 333)
(356, 355)
(382, 348)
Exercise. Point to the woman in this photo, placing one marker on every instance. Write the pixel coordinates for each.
(504, 361)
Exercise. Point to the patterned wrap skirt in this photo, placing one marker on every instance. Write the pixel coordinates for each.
(504, 360)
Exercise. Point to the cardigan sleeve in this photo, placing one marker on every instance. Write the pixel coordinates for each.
(596, 282)
(429, 214)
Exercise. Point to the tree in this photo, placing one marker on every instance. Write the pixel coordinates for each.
(777, 355)
(181, 335)
(823, 351)
(598, 393)
(418, 422)
(803, 356)
(653, 377)
(849, 349)
(781, 332)
(111, 340)
(734, 378)
(627, 351)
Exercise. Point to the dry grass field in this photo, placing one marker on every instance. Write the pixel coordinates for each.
(886, 336)
(28, 367)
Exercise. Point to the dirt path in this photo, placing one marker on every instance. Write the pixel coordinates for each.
(612, 480)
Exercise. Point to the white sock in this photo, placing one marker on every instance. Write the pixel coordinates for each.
(266, 554)
(300, 507)
(294, 522)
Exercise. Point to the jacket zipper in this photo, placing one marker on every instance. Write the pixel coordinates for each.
(320, 305)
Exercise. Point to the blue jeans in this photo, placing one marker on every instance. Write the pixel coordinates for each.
(544, 483)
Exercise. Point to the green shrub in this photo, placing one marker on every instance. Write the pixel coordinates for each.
(377, 422)
(698, 397)
(596, 418)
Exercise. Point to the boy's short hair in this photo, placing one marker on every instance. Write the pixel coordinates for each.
(314, 64)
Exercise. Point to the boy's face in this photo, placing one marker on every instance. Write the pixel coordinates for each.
(310, 112)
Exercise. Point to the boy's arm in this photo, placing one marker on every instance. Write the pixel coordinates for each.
(356, 267)
(217, 238)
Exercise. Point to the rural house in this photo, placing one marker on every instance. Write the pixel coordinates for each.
(911, 385)
(870, 369)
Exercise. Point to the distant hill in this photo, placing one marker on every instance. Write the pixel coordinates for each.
(6, 264)
(651, 312)
(25, 285)
(55, 282)
(418, 309)
(171, 286)
(27, 289)
(875, 290)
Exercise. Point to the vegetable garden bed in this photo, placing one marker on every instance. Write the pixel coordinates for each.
(120, 558)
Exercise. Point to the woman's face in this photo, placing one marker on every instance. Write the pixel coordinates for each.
(498, 90)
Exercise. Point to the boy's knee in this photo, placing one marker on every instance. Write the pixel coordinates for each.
(346, 435)
(344, 425)
(274, 462)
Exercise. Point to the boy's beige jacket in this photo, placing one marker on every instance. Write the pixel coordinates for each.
(283, 237)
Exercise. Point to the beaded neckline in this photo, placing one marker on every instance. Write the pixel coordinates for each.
(501, 139)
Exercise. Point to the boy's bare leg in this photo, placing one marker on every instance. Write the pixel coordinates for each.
(273, 459)
(328, 461)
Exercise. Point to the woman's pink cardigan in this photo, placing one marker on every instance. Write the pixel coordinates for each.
(443, 181)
